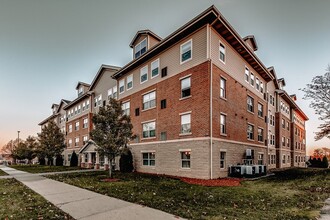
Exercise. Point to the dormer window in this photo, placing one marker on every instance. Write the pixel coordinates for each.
(140, 48)
(80, 91)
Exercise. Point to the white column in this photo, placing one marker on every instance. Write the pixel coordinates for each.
(106, 163)
(97, 158)
(89, 158)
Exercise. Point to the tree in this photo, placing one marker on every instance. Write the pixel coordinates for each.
(51, 141)
(31, 146)
(325, 162)
(113, 131)
(74, 160)
(319, 93)
(126, 161)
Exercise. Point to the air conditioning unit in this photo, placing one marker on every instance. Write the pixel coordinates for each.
(257, 170)
(237, 171)
(249, 170)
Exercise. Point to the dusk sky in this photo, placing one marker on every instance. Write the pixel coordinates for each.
(47, 46)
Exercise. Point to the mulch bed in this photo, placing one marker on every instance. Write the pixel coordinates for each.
(110, 180)
(214, 182)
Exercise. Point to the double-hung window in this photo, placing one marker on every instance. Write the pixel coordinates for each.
(155, 68)
(223, 119)
(76, 143)
(260, 134)
(144, 74)
(252, 79)
(250, 104)
(129, 82)
(140, 48)
(70, 128)
(70, 142)
(126, 108)
(283, 141)
(257, 84)
(149, 129)
(149, 100)
(186, 124)
(121, 86)
(222, 159)
(114, 92)
(85, 123)
(260, 110)
(85, 139)
(222, 53)
(185, 159)
(77, 126)
(185, 51)
(87, 105)
(250, 132)
(223, 87)
(149, 159)
(261, 87)
(185, 87)
(247, 74)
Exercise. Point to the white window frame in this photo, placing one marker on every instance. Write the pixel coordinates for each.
(262, 134)
(129, 79)
(76, 126)
(122, 84)
(143, 71)
(252, 79)
(248, 132)
(182, 118)
(126, 107)
(151, 156)
(223, 126)
(181, 82)
(115, 92)
(85, 123)
(70, 128)
(222, 50)
(146, 98)
(185, 152)
(139, 45)
(257, 84)
(247, 75)
(223, 88)
(76, 143)
(250, 104)
(191, 51)
(149, 125)
(152, 66)
(223, 160)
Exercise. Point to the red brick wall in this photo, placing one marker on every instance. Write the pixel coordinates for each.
(235, 106)
(168, 120)
(81, 132)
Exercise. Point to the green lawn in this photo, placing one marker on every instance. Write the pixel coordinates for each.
(2, 173)
(43, 169)
(19, 202)
(292, 194)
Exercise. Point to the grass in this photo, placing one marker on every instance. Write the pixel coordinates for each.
(291, 194)
(43, 169)
(19, 202)
(3, 173)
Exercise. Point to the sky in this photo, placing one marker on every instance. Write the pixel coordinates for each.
(47, 46)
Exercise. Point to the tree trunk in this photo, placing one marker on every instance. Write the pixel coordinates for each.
(110, 169)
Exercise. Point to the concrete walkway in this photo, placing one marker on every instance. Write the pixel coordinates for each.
(85, 204)
(325, 211)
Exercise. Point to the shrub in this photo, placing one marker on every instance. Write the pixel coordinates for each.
(74, 160)
(325, 163)
(126, 161)
(59, 160)
(42, 161)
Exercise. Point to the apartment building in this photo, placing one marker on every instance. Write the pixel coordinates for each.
(200, 100)
(58, 115)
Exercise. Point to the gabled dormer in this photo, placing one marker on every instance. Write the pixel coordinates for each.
(143, 41)
(293, 97)
(54, 108)
(281, 83)
(82, 88)
(251, 42)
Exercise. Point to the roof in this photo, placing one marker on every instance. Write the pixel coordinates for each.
(99, 73)
(292, 103)
(141, 32)
(82, 83)
(220, 24)
(87, 94)
(282, 81)
(253, 41)
(273, 72)
(53, 105)
(89, 142)
(62, 102)
(48, 119)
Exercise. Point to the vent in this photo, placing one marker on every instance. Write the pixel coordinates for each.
(164, 72)
(163, 136)
(163, 104)
(137, 111)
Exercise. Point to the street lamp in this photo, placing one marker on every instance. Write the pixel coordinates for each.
(18, 137)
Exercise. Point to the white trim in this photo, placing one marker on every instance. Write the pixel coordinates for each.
(172, 141)
(148, 92)
(127, 100)
(224, 62)
(222, 113)
(223, 150)
(239, 142)
(144, 122)
(148, 151)
(127, 82)
(118, 87)
(186, 76)
(151, 77)
(184, 150)
(185, 113)
(184, 98)
(191, 53)
(146, 73)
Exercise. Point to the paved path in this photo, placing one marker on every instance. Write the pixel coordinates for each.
(85, 204)
(325, 211)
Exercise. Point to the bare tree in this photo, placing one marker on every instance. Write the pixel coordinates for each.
(319, 93)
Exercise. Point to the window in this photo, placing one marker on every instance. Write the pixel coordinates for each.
(130, 82)
(84, 106)
(288, 126)
(149, 100)
(126, 108)
(222, 159)
(70, 142)
(155, 68)
(140, 48)
(222, 88)
(250, 104)
(121, 86)
(114, 92)
(76, 143)
(163, 104)
(283, 123)
(185, 51)
(79, 109)
(70, 128)
(288, 161)
(185, 159)
(186, 124)
(260, 110)
(283, 160)
(223, 124)
(222, 52)
(137, 111)
(85, 139)
(247, 74)
(164, 72)
(149, 159)
(75, 110)
(87, 104)
(149, 129)
(288, 142)
(260, 159)
(273, 120)
(76, 126)
(80, 91)
(257, 84)
(250, 132)
(252, 79)
(85, 123)
(260, 134)
(144, 74)
(261, 87)
(283, 141)
(185, 87)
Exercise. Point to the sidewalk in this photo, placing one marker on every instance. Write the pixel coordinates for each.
(325, 211)
(84, 204)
